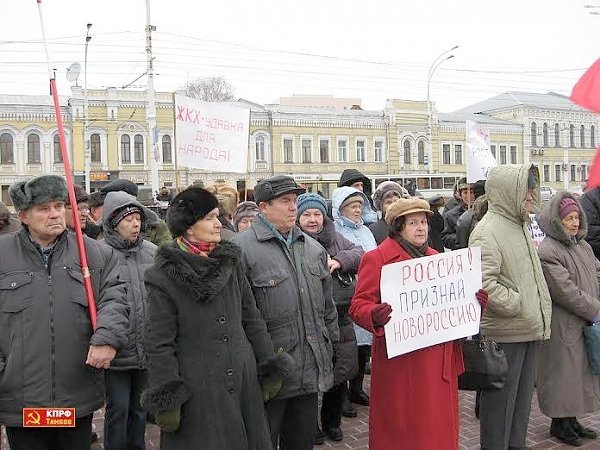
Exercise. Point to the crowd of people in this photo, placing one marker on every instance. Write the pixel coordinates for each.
(224, 321)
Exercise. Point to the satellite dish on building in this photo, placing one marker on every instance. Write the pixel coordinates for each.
(73, 72)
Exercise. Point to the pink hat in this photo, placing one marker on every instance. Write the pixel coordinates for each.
(567, 206)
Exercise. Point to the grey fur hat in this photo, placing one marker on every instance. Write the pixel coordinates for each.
(35, 191)
(386, 189)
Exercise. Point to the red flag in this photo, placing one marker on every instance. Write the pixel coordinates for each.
(594, 173)
(586, 92)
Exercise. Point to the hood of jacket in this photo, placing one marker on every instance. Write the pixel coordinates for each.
(204, 277)
(549, 219)
(351, 176)
(337, 198)
(115, 201)
(506, 190)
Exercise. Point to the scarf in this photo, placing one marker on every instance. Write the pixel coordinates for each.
(413, 251)
(196, 248)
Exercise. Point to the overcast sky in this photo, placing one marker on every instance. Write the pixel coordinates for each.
(267, 49)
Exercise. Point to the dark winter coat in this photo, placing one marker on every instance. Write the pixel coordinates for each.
(203, 337)
(566, 386)
(296, 304)
(134, 259)
(450, 220)
(436, 226)
(45, 329)
(590, 202)
(348, 255)
(379, 230)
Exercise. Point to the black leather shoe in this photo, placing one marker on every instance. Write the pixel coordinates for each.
(583, 432)
(561, 429)
(319, 437)
(359, 397)
(335, 434)
(94, 437)
(348, 410)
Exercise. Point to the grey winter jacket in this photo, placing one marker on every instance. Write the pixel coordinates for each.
(45, 329)
(134, 259)
(296, 305)
(451, 217)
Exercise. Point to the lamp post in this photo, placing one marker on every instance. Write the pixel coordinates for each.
(436, 63)
(86, 141)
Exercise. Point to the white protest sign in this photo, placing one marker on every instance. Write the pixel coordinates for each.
(432, 298)
(537, 235)
(479, 154)
(211, 136)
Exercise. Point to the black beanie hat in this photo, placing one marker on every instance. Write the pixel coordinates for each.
(188, 207)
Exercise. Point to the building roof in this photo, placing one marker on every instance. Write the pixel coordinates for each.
(462, 116)
(514, 99)
(33, 100)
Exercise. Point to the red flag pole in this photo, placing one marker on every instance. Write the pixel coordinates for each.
(87, 282)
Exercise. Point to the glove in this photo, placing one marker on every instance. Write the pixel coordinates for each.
(482, 298)
(381, 314)
(168, 420)
(271, 386)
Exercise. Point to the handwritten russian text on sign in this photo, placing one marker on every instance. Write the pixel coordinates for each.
(211, 136)
(432, 298)
(479, 154)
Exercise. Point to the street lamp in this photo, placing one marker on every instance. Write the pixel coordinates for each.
(86, 141)
(436, 63)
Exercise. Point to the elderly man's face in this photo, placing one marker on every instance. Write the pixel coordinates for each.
(281, 212)
(82, 209)
(45, 221)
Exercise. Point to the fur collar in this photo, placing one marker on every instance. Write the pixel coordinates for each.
(203, 277)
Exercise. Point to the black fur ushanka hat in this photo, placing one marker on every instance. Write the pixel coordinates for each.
(188, 207)
(35, 191)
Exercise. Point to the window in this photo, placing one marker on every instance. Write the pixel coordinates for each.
(342, 150)
(533, 134)
(493, 149)
(546, 173)
(582, 136)
(33, 149)
(6, 149)
(95, 148)
(138, 149)
(360, 151)
(125, 149)
(259, 147)
(407, 151)
(513, 154)
(421, 152)
(593, 136)
(446, 153)
(556, 135)
(571, 135)
(324, 150)
(503, 154)
(288, 151)
(583, 172)
(167, 156)
(378, 151)
(57, 153)
(545, 134)
(557, 169)
(458, 154)
(573, 173)
(306, 150)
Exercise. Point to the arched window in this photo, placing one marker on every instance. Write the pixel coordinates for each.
(533, 134)
(259, 146)
(95, 148)
(125, 149)
(58, 159)
(166, 149)
(138, 149)
(33, 148)
(582, 136)
(571, 135)
(421, 152)
(545, 134)
(6, 149)
(556, 135)
(593, 136)
(407, 151)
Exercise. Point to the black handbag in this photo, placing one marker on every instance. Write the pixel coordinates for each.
(486, 367)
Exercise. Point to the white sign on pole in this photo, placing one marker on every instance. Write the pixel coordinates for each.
(432, 298)
(211, 136)
(537, 235)
(479, 154)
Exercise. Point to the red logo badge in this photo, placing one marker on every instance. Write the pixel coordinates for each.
(48, 417)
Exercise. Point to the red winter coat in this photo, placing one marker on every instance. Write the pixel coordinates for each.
(414, 397)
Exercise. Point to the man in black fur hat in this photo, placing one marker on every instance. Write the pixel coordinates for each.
(49, 353)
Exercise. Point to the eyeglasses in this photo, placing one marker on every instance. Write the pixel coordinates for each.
(80, 208)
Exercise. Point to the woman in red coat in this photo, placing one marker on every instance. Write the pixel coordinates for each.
(414, 397)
